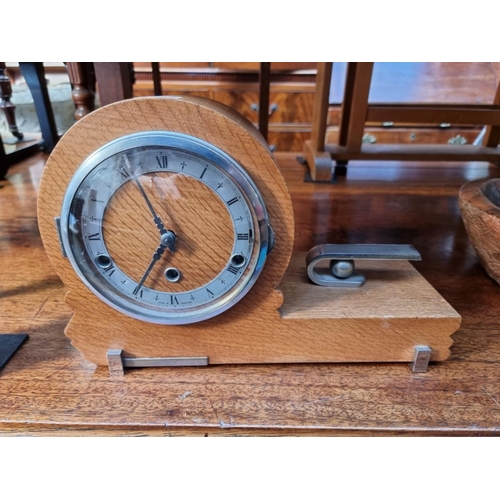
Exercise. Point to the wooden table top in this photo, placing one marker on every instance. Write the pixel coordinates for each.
(48, 388)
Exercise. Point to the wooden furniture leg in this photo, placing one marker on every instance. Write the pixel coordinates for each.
(82, 78)
(345, 115)
(355, 105)
(264, 88)
(114, 81)
(4, 163)
(492, 136)
(354, 110)
(319, 161)
(155, 68)
(34, 74)
(8, 108)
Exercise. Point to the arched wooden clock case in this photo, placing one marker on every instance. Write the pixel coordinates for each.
(259, 314)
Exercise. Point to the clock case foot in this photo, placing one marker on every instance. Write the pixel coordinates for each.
(117, 362)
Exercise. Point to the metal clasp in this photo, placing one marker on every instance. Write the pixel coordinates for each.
(340, 270)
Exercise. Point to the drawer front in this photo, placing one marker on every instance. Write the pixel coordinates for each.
(143, 90)
(284, 107)
(378, 135)
(239, 101)
(287, 141)
(275, 66)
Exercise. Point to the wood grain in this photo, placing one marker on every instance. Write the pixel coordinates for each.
(110, 329)
(48, 388)
(479, 205)
(188, 208)
(252, 331)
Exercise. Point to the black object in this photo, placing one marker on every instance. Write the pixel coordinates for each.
(34, 74)
(9, 344)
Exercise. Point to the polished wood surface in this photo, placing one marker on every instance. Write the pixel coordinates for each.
(48, 387)
(434, 82)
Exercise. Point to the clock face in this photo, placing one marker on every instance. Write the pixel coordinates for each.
(165, 228)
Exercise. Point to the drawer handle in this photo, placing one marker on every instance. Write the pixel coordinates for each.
(457, 140)
(272, 109)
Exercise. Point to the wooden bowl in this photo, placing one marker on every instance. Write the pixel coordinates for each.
(479, 203)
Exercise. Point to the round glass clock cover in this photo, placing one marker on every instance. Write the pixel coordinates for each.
(165, 227)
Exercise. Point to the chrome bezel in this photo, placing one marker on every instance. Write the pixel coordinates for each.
(200, 148)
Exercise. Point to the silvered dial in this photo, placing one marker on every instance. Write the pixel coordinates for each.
(165, 227)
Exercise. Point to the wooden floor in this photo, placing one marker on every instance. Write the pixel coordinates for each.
(49, 388)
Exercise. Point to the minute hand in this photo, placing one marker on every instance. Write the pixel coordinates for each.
(156, 219)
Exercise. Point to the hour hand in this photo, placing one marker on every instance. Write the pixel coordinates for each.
(156, 257)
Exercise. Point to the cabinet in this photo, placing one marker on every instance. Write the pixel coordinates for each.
(236, 85)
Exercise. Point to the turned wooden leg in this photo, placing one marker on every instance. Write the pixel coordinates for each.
(82, 78)
(8, 108)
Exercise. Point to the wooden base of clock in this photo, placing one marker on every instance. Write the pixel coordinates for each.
(383, 321)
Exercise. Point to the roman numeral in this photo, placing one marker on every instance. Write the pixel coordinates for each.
(234, 200)
(139, 291)
(243, 236)
(211, 294)
(162, 161)
(174, 301)
(93, 237)
(203, 173)
(124, 172)
(233, 269)
(110, 270)
(93, 196)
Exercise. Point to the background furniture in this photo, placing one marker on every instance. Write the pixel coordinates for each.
(290, 91)
(356, 111)
(34, 74)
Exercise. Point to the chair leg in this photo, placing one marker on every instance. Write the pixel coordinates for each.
(340, 169)
(34, 75)
(8, 108)
(82, 78)
(264, 88)
(318, 160)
